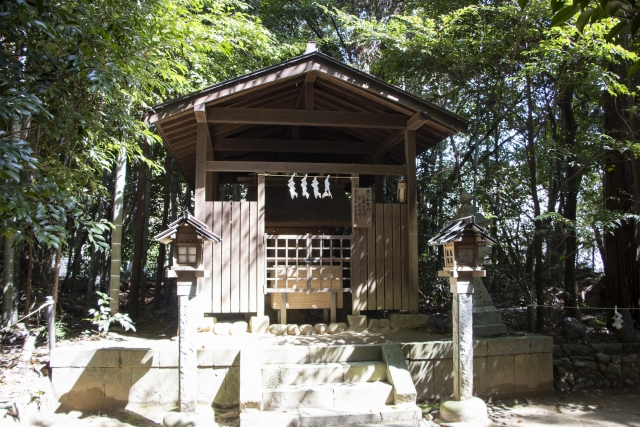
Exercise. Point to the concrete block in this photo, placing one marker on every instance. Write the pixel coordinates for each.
(259, 325)
(278, 329)
(310, 374)
(385, 325)
(210, 384)
(374, 325)
(292, 397)
(239, 328)
(270, 375)
(422, 376)
(398, 374)
(409, 321)
(479, 375)
(230, 393)
(79, 388)
(95, 358)
(356, 372)
(306, 330)
(169, 358)
(205, 357)
(293, 330)
(250, 381)
(205, 324)
(321, 328)
(500, 374)
(139, 358)
(297, 354)
(400, 414)
(222, 329)
(271, 419)
(345, 353)
(526, 372)
(117, 385)
(357, 323)
(541, 344)
(443, 378)
(226, 357)
(369, 395)
(545, 365)
(336, 328)
(480, 348)
(508, 345)
(322, 417)
(146, 384)
(428, 350)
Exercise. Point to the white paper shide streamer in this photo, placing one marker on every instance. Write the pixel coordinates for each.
(327, 189)
(303, 185)
(316, 187)
(314, 184)
(292, 187)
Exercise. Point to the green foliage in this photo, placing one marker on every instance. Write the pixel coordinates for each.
(102, 317)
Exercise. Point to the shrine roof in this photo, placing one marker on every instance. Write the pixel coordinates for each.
(251, 117)
(454, 230)
(187, 219)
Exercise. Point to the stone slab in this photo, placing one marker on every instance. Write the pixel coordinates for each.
(409, 321)
(371, 394)
(511, 345)
(339, 416)
(541, 344)
(545, 365)
(80, 388)
(292, 397)
(226, 357)
(428, 350)
(259, 325)
(211, 386)
(345, 353)
(75, 358)
(270, 419)
(526, 372)
(205, 357)
(117, 385)
(442, 385)
(355, 372)
(250, 381)
(404, 413)
(169, 358)
(404, 391)
(139, 358)
(500, 374)
(296, 374)
(479, 376)
(357, 323)
(277, 355)
(422, 375)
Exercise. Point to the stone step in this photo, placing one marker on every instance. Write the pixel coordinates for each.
(274, 375)
(377, 416)
(367, 394)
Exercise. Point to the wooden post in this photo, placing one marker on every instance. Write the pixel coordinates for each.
(379, 180)
(202, 139)
(282, 314)
(356, 281)
(261, 246)
(412, 205)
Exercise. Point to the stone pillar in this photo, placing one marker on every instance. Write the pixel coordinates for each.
(462, 310)
(188, 357)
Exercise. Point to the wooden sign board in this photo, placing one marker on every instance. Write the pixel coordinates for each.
(361, 207)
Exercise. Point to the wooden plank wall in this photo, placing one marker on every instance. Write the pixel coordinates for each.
(237, 283)
(381, 273)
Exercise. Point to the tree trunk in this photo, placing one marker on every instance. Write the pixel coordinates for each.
(145, 236)
(138, 237)
(166, 182)
(28, 279)
(56, 279)
(9, 312)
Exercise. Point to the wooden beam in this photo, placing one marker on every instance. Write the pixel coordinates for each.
(285, 145)
(200, 111)
(201, 171)
(305, 118)
(417, 120)
(412, 226)
(290, 167)
(379, 180)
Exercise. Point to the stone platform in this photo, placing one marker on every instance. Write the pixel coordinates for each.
(135, 372)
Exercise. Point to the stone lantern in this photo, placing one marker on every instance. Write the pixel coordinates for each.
(187, 234)
(464, 243)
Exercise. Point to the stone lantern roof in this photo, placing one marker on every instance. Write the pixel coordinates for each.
(456, 228)
(202, 230)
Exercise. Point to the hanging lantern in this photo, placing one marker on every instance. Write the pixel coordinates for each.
(402, 190)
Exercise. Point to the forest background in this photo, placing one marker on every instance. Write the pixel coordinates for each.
(551, 154)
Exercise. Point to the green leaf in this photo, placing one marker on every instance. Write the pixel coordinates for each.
(564, 15)
(619, 28)
(40, 7)
(523, 3)
(583, 19)
(635, 24)
(634, 68)
(556, 5)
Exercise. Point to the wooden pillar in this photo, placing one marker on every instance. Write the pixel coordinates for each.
(261, 246)
(379, 179)
(412, 206)
(202, 139)
(356, 282)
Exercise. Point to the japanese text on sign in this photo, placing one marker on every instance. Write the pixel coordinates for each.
(361, 207)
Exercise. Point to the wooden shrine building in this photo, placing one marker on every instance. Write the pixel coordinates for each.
(313, 116)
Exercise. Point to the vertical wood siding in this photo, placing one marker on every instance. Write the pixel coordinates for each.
(381, 279)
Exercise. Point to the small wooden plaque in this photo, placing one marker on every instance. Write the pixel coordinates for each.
(361, 207)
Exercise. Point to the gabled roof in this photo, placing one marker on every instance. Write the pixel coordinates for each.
(312, 81)
(187, 219)
(456, 228)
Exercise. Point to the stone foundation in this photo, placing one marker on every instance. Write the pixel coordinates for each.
(581, 366)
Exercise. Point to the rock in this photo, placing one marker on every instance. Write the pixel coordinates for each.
(589, 384)
(357, 323)
(572, 349)
(614, 369)
(561, 386)
(579, 364)
(629, 383)
(591, 365)
(385, 325)
(608, 348)
(557, 351)
(278, 329)
(562, 372)
(578, 387)
(557, 362)
(630, 358)
(336, 328)
(259, 325)
(306, 330)
(321, 328)
(206, 324)
(293, 330)
(616, 359)
(637, 338)
(573, 329)
(627, 332)
(409, 321)
(606, 383)
(374, 325)
(222, 328)
(603, 358)
(239, 328)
